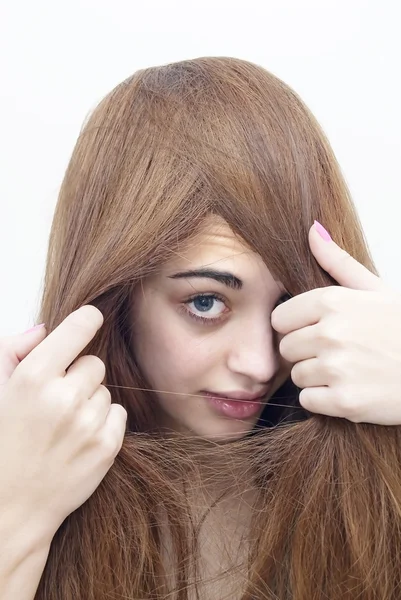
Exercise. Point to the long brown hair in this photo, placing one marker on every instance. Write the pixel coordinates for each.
(163, 150)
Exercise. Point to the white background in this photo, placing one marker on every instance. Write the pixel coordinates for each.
(59, 58)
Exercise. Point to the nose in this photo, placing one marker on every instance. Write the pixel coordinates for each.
(253, 353)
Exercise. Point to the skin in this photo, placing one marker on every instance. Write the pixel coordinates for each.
(236, 351)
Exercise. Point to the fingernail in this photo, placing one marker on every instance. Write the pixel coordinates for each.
(34, 328)
(322, 231)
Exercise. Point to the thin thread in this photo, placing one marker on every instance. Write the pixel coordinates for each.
(266, 403)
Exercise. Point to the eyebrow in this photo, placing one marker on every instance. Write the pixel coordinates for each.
(224, 277)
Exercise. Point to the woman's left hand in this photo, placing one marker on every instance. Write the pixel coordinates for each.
(344, 341)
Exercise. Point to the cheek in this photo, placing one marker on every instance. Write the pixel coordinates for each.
(171, 355)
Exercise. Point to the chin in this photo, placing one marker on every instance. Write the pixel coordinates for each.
(237, 431)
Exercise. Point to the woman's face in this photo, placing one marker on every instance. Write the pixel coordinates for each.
(202, 330)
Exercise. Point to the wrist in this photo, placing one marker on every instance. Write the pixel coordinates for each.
(22, 536)
(23, 557)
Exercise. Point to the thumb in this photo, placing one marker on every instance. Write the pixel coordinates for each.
(347, 271)
(13, 349)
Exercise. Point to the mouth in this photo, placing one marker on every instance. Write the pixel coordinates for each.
(237, 405)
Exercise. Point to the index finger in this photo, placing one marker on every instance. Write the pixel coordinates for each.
(61, 347)
(297, 312)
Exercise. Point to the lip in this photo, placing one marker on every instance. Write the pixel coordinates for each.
(238, 405)
(240, 396)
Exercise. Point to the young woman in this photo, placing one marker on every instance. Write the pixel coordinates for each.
(154, 441)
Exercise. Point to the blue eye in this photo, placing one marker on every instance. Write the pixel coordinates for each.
(211, 305)
(203, 303)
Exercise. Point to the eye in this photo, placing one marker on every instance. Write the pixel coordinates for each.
(284, 298)
(205, 307)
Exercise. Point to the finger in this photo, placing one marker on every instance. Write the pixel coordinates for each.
(61, 347)
(115, 426)
(86, 374)
(300, 311)
(326, 400)
(330, 401)
(311, 307)
(15, 348)
(98, 407)
(347, 271)
(300, 344)
(319, 400)
(308, 373)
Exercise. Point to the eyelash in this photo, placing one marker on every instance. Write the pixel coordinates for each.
(213, 320)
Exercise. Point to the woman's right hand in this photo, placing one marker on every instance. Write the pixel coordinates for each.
(59, 431)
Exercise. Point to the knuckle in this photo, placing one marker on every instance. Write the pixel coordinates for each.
(97, 364)
(88, 423)
(344, 255)
(89, 363)
(330, 332)
(72, 397)
(347, 406)
(105, 390)
(333, 368)
(109, 447)
(114, 438)
(332, 298)
(104, 393)
(61, 402)
(124, 414)
(30, 377)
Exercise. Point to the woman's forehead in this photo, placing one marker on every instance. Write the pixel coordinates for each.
(216, 246)
(213, 243)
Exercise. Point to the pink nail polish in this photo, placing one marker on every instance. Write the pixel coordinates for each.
(322, 231)
(33, 328)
